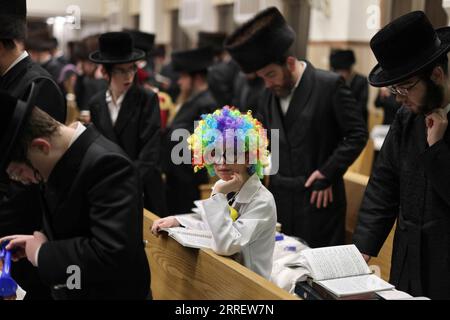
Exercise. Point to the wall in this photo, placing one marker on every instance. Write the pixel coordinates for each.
(43, 8)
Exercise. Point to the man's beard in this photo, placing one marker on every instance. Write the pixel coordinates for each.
(288, 84)
(434, 97)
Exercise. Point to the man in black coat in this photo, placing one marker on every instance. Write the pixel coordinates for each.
(19, 206)
(411, 180)
(91, 246)
(129, 115)
(342, 62)
(321, 130)
(182, 183)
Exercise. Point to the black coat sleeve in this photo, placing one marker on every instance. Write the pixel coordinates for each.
(353, 130)
(149, 137)
(380, 206)
(115, 216)
(436, 160)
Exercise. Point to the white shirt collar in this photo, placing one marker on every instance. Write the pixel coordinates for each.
(20, 58)
(447, 109)
(79, 129)
(114, 108)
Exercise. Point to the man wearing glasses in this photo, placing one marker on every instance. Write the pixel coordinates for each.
(128, 114)
(411, 180)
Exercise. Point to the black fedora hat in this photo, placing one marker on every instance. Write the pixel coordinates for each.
(261, 41)
(342, 59)
(212, 39)
(116, 48)
(194, 60)
(13, 19)
(142, 40)
(13, 117)
(406, 47)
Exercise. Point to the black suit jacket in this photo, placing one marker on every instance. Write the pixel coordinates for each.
(94, 220)
(137, 131)
(360, 89)
(222, 79)
(322, 130)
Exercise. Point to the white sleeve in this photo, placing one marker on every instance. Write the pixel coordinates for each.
(229, 237)
(192, 221)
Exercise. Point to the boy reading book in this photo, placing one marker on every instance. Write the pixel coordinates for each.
(241, 212)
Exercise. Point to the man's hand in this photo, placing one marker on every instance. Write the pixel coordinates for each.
(366, 257)
(169, 222)
(234, 185)
(22, 246)
(323, 197)
(437, 124)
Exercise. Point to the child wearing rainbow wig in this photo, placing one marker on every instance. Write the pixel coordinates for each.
(241, 212)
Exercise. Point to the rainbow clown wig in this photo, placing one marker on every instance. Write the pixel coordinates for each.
(228, 129)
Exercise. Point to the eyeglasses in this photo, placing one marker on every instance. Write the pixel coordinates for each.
(402, 91)
(124, 72)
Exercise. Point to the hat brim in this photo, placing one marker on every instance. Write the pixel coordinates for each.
(380, 78)
(136, 55)
(17, 125)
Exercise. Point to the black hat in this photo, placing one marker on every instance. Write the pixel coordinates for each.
(13, 19)
(406, 47)
(261, 41)
(342, 59)
(212, 39)
(13, 116)
(194, 60)
(39, 44)
(142, 40)
(116, 48)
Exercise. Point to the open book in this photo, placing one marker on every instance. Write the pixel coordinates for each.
(342, 271)
(191, 238)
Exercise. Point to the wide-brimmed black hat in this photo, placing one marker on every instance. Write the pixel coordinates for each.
(261, 41)
(406, 47)
(13, 117)
(342, 59)
(212, 39)
(13, 19)
(142, 40)
(194, 60)
(116, 48)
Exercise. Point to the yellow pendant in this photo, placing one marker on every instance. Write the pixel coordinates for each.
(234, 214)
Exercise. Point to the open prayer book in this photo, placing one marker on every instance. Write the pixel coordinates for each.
(191, 238)
(342, 272)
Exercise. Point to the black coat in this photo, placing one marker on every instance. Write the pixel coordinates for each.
(322, 130)
(94, 220)
(182, 182)
(390, 107)
(222, 78)
(360, 89)
(410, 184)
(248, 93)
(137, 131)
(54, 67)
(20, 211)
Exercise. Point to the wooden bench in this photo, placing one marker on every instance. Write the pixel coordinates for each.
(191, 274)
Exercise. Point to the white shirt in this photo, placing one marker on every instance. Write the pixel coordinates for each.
(114, 107)
(252, 235)
(285, 102)
(20, 58)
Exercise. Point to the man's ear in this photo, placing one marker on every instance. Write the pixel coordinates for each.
(438, 75)
(42, 145)
(104, 73)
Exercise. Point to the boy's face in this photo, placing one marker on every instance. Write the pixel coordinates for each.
(226, 171)
(185, 83)
(122, 76)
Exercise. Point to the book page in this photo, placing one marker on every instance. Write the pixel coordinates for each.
(355, 285)
(191, 238)
(335, 262)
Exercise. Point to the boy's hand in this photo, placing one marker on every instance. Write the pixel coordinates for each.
(22, 246)
(169, 222)
(234, 185)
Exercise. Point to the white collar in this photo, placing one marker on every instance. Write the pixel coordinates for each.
(289, 97)
(79, 129)
(447, 109)
(20, 58)
(119, 101)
